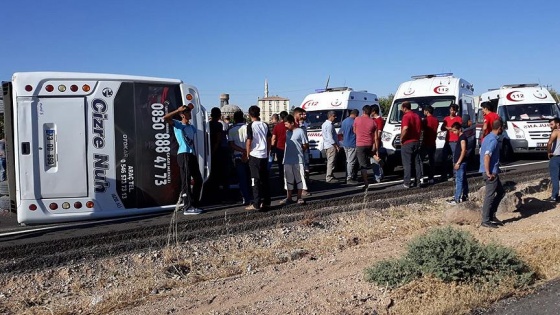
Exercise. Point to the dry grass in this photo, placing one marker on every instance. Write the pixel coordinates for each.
(119, 282)
(432, 296)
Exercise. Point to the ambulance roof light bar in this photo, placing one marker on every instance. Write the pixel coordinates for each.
(519, 85)
(434, 75)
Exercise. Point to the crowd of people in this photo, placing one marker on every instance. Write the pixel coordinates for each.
(250, 148)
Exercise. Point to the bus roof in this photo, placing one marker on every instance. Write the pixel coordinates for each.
(37, 76)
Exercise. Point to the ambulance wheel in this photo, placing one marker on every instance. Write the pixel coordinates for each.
(506, 154)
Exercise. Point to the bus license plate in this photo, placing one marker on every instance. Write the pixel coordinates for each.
(50, 146)
(541, 144)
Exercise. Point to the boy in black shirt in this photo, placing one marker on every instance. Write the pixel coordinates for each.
(460, 165)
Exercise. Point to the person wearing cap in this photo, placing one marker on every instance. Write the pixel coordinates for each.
(330, 144)
(187, 160)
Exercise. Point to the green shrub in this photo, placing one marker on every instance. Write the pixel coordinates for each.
(451, 255)
(392, 273)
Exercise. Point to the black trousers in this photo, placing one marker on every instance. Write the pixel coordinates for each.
(411, 158)
(188, 167)
(259, 181)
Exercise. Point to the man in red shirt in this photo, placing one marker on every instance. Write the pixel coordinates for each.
(380, 157)
(430, 127)
(489, 118)
(367, 141)
(450, 139)
(279, 142)
(411, 128)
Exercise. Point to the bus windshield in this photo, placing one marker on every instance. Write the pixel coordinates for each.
(316, 119)
(440, 104)
(527, 112)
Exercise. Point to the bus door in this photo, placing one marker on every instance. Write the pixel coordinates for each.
(56, 146)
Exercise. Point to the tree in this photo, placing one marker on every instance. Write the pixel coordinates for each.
(385, 103)
(554, 94)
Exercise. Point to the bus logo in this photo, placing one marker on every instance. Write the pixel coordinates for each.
(100, 167)
(515, 96)
(98, 122)
(107, 92)
(441, 89)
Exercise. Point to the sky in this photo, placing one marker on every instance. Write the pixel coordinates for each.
(234, 46)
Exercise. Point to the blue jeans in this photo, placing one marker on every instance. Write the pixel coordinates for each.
(461, 183)
(554, 168)
(377, 170)
(243, 176)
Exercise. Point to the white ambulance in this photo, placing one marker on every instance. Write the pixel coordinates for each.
(525, 109)
(340, 99)
(438, 90)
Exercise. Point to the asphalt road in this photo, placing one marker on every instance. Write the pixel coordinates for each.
(545, 301)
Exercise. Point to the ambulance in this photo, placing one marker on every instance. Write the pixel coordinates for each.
(525, 110)
(440, 91)
(339, 99)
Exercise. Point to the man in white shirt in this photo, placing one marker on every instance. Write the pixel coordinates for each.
(258, 148)
(330, 144)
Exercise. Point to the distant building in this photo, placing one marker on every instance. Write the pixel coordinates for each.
(227, 109)
(271, 104)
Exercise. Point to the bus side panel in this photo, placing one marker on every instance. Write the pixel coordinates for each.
(145, 147)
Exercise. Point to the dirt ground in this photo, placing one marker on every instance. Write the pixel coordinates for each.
(313, 267)
(333, 282)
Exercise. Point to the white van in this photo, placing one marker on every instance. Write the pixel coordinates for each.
(438, 90)
(342, 100)
(525, 110)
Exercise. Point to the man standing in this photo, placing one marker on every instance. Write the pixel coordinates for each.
(186, 158)
(380, 156)
(279, 142)
(219, 156)
(300, 116)
(366, 141)
(460, 165)
(237, 137)
(349, 145)
(330, 144)
(553, 149)
(257, 148)
(411, 128)
(296, 145)
(450, 138)
(489, 167)
(489, 118)
(429, 126)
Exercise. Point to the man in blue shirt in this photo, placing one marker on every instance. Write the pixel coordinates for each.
(330, 144)
(489, 167)
(349, 145)
(186, 158)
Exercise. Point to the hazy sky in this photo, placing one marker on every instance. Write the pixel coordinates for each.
(233, 46)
